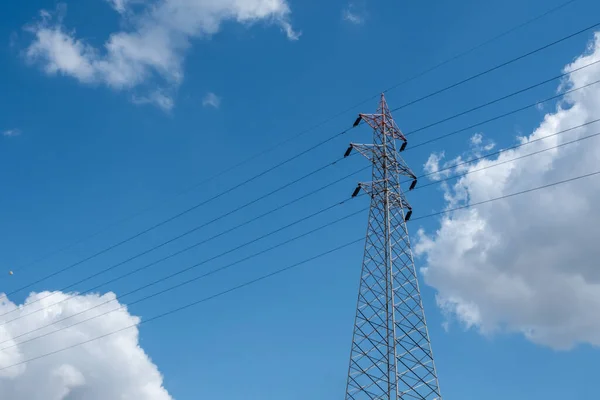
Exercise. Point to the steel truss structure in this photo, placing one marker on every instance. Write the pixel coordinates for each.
(391, 354)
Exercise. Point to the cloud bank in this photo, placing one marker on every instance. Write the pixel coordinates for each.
(114, 367)
(528, 264)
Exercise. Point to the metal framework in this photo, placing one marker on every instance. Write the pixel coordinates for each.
(391, 354)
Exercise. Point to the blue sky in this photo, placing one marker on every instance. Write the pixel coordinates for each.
(88, 155)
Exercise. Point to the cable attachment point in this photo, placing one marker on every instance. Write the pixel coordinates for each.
(408, 215)
(413, 184)
(347, 153)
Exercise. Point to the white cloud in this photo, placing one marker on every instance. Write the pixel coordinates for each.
(11, 132)
(528, 264)
(114, 367)
(119, 5)
(432, 166)
(477, 139)
(211, 100)
(152, 52)
(353, 14)
(158, 98)
(477, 144)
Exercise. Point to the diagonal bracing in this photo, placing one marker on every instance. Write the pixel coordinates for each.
(391, 354)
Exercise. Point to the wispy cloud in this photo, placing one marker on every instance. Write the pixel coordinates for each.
(157, 98)
(354, 14)
(11, 132)
(211, 100)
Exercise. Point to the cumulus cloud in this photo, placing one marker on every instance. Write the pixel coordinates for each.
(11, 132)
(211, 100)
(114, 367)
(528, 264)
(152, 51)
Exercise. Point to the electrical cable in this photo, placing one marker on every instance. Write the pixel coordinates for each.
(477, 47)
(471, 160)
(226, 267)
(277, 272)
(576, 178)
(489, 103)
(505, 114)
(130, 238)
(196, 206)
(326, 186)
(435, 139)
(334, 162)
(171, 255)
(181, 284)
(504, 64)
(192, 304)
(235, 166)
(313, 172)
(507, 161)
(495, 153)
(319, 169)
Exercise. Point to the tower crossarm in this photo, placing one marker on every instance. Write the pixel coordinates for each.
(373, 189)
(378, 152)
(383, 117)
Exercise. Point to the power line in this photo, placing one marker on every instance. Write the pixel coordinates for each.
(107, 249)
(477, 47)
(262, 252)
(194, 207)
(334, 162)
(504, 64)
(502, 115)
(303, 177)
(508, 161)
(471, 160)
(179, 285)
(489, 103)
(191, 304)
(295, 200)
(171, 255)
(301, 133)
(289, 184)
(277, 272)
(508, 196)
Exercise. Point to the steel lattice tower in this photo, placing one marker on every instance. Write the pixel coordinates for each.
(391, 354)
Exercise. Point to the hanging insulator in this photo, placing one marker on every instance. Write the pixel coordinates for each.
(357, 121)
(347, 153)
(408, 215)
(412, 185)
(356, 191)
(403, 146)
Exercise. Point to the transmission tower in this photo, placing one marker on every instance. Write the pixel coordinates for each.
(391, 354)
